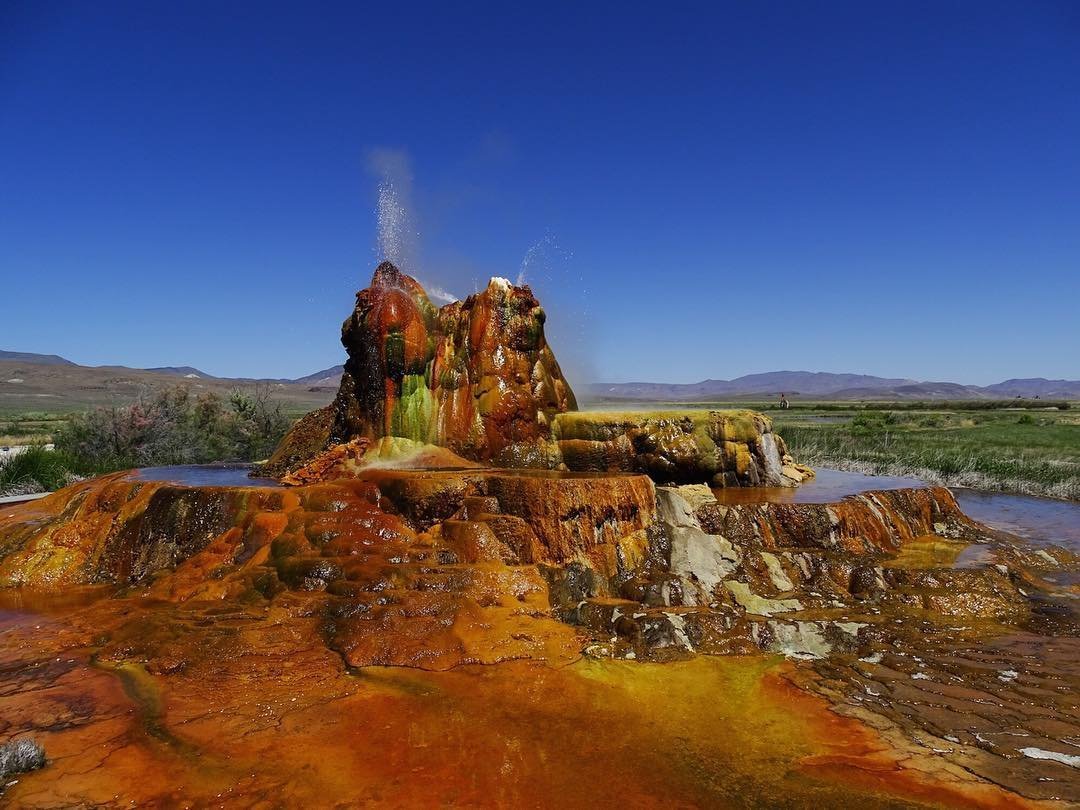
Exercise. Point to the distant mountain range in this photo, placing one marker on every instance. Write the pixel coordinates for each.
(823, 385)
(180, 371)
(330, 376)
(43, 382)
(60, 379)
(39, 359)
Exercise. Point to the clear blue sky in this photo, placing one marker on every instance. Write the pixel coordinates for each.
(888, 188)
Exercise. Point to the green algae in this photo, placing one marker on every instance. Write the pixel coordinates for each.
(394, 354)
(144, 692)
(415, 414)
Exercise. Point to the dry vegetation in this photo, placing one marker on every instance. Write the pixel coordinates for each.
(170, 426)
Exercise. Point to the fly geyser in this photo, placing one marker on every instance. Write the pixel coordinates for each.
(470, 593)
(478, 378)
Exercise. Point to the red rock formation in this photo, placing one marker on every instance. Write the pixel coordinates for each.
(476, 376)
(328, 463)
(869, 523)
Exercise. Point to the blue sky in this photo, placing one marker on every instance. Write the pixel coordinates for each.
(706, 190)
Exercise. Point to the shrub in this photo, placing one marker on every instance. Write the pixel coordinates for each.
(867, 423)
(174, 426)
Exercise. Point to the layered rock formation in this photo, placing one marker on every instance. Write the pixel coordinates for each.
(723, 448)
(475, 376)
(478, 378)
(608, 547)
(435, 569)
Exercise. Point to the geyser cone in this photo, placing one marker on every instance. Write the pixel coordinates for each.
(475, 376)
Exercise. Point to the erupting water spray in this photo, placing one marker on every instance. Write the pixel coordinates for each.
(397, 235)
(550, 270)
(392, 224)
(542, 258)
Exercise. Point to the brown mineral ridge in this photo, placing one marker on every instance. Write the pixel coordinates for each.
(261, 714)
(390, 587)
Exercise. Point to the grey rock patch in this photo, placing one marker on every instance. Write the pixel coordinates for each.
(803, 640)
(696, 495)
(20, 756)
(678, 625)
(770, 459)
(759, 605)
(780, 580)
(702, 561)
(673, 510)
(850, 628)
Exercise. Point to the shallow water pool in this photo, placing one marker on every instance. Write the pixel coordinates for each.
(206, 475)
(827, 486)
(1040, 520)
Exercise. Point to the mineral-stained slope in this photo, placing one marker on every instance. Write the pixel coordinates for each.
(443, 568)
(476, 376)
(403, 557)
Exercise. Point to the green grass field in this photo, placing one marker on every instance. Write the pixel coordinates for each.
(1033, 452)
(28, 427)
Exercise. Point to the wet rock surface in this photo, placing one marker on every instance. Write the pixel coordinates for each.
(261, 714)
(723, 448)
(892, 606)
(475, 376)
(1001, 703)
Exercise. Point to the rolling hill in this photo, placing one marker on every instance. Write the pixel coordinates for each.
(28, 383)
(327, 377)
(49, 382)
(827, 386)
(39, 359)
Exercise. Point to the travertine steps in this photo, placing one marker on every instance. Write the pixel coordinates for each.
(438, 599)
(983, 591)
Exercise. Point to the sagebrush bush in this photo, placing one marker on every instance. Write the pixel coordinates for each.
(174, 426)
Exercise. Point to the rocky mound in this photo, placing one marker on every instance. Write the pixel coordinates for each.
(723, 448)
(475, 376)
(478, 378)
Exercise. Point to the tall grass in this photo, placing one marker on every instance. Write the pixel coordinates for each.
(996, 452)
(35, 469)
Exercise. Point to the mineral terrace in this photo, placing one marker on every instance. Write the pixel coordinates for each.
(452, 587)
